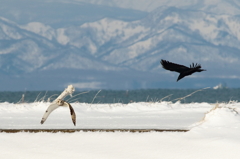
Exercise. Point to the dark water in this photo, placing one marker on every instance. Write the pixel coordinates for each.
(124, 96)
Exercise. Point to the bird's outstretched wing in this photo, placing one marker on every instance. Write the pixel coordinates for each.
(173, 67)
(51, 108)
(73, 115)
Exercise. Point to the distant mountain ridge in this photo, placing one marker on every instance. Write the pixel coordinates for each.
(227, 7)
(133, 48)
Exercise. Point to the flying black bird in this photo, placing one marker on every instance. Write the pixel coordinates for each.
(54, 106)
(183, 70)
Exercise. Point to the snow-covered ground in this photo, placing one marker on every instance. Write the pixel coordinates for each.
(214, 133)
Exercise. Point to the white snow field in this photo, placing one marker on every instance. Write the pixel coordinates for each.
(214, 131)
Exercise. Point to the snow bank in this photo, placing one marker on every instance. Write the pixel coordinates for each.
(216, 137)
(220, 122)
(163, 115)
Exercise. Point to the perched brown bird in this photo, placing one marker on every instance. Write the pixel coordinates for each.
(183, 70)
(54, 106)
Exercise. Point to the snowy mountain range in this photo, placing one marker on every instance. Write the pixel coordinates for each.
(229, 7)
(116, 46)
